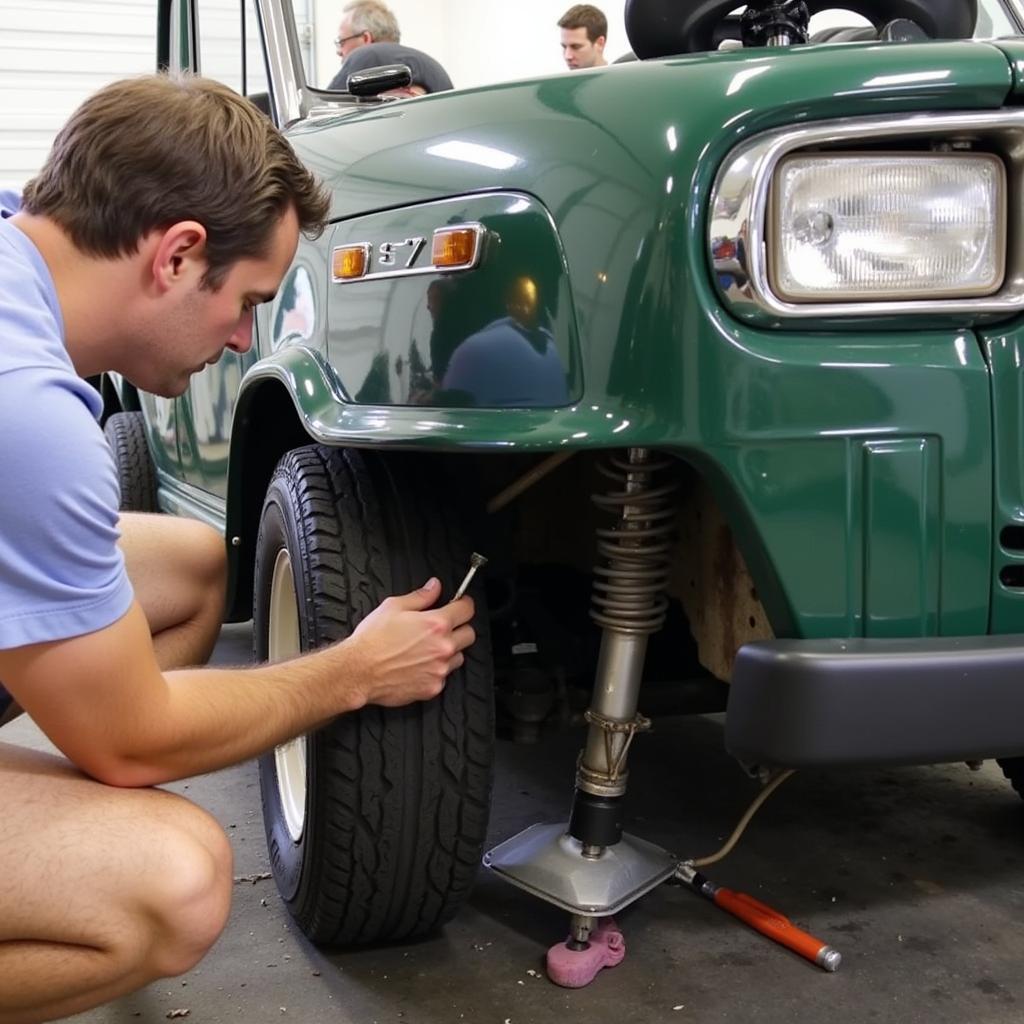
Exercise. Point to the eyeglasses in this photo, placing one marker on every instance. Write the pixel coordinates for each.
(341, 40)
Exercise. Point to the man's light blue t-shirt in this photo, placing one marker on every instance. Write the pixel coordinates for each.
(61, 571)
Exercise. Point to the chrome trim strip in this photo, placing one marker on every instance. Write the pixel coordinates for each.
(182, 499)
(292, 99)
(381, 275)
(1016, 12)
(739, 202)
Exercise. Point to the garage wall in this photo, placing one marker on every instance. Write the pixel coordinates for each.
(483, 41)
(54, 53)
(477, 41)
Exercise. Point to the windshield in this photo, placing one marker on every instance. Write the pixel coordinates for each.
(995, 22)
(323, 32)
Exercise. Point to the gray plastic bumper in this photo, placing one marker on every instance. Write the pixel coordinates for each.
(801, 703)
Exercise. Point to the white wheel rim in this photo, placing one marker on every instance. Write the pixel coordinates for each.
(283, 641)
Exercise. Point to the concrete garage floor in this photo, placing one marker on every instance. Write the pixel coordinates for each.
(914, 875)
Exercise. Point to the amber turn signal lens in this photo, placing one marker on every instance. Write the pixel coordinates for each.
(455, 247)
(350, 262)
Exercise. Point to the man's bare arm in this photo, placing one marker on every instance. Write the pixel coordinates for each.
(102, 699)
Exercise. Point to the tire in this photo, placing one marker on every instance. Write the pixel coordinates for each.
(375, 823)
(1013, 769)
(126, 435)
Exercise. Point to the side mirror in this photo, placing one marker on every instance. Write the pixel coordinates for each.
(374, 81)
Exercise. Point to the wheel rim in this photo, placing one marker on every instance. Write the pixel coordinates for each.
(283, 641)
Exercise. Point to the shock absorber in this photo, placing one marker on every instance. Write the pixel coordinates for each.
(629, 604)
(590, 867)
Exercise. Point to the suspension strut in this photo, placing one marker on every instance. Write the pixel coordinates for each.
(590, 867)
(775, 23)
(629, 603)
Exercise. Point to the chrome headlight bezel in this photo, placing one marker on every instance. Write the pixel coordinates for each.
(740, 208)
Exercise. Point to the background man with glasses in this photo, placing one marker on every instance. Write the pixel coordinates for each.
(365, 21)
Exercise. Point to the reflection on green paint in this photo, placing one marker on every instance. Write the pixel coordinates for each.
(501, 334)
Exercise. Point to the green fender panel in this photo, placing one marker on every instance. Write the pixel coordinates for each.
(498, 334)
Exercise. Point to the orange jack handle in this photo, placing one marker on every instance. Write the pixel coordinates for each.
(778, 927)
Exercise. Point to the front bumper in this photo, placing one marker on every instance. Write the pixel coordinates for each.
(806, 703)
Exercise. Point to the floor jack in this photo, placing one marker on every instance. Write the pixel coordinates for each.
(596, 942)
(588, 866)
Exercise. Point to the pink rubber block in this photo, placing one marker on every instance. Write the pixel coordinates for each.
(572, 968)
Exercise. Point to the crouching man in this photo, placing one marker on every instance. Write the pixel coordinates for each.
(167, 210)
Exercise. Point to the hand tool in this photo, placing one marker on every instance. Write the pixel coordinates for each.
(764, 919)
(475, 562)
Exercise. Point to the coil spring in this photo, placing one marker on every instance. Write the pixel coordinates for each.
(628, 591)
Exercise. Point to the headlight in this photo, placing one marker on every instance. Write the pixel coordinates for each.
(855, 227)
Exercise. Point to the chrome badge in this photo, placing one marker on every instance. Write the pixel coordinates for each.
(453, 247)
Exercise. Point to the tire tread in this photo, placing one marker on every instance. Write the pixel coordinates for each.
(136, 475)
(401, 831)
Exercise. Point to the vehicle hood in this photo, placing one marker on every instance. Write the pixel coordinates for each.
(635, 119)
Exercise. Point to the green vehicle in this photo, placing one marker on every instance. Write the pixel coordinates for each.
(715, 354)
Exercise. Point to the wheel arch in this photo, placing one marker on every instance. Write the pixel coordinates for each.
(270, 420)
(267, 424)
(117, 394)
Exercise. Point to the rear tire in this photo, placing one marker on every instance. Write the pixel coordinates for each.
(136, 475)
(375, 824)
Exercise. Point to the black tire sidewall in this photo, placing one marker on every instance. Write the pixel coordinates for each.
(279, 530)
(136, 475)
(345, 878)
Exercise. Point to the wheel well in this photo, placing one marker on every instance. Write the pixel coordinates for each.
(553, 522)
(130, 398)
(126, 401)
(271, 426)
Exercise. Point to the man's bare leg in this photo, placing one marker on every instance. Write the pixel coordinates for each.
(102, 890)
(178, 570)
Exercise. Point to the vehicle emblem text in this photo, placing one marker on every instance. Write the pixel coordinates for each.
(390, 253)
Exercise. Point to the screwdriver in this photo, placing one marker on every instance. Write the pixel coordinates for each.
(475, 562)
(764, 919)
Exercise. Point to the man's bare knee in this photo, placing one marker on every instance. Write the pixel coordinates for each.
(202, 562)
(169, 553)
(178, 569)
(190, 903)
(207, 566)
(209, 552)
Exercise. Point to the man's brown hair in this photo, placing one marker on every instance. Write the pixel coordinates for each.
(588, 17)
(144, 153)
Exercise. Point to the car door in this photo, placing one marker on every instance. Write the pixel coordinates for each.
(221, 40)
